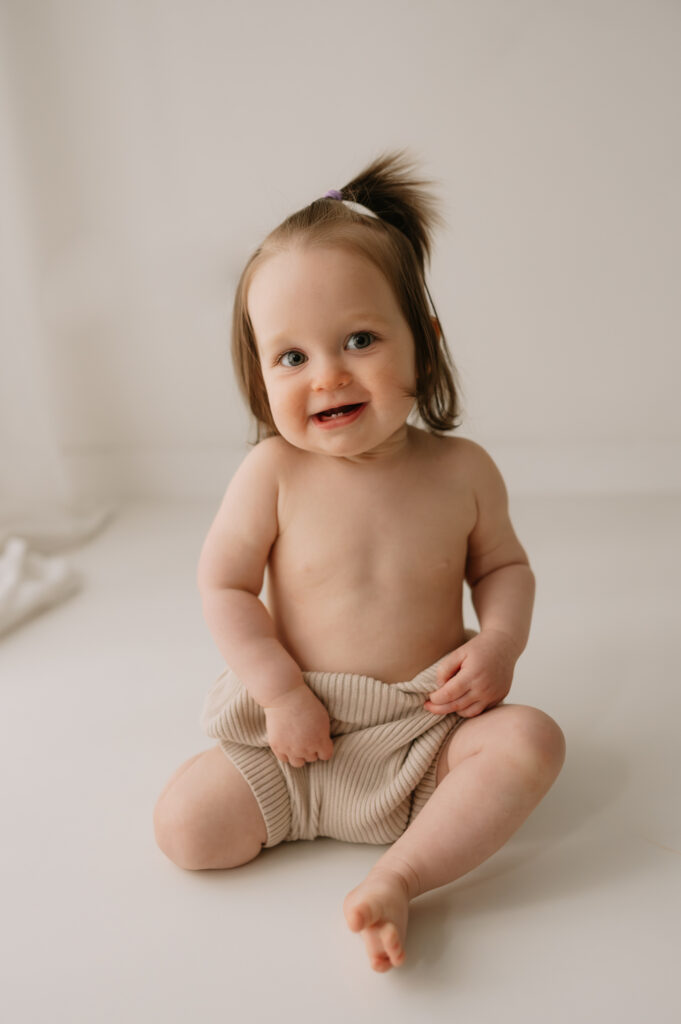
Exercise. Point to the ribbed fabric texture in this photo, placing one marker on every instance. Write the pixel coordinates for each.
(382, 770)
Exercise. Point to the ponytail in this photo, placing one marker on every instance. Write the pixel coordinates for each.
(388, 188)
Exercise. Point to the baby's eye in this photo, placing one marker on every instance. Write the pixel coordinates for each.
(292, 358)
(361, 339)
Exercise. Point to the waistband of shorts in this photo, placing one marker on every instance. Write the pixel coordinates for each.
(352, 697)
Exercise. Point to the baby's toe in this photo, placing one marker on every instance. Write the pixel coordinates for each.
(379, 958)
(392, 943)
(383, 946)
(360, 912)
(381, 963)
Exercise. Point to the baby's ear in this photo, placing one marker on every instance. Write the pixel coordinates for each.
(436, 324)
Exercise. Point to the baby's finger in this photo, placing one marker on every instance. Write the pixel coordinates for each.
(436, 709)
(442, 709)
(448, 667)
(455, 689)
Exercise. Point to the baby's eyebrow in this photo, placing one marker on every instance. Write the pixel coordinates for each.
(353, 320)
(275, 343)
(374, 318)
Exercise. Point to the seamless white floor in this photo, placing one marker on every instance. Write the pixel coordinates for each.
(577, 918)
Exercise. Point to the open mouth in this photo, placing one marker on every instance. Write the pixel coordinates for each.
(339, 414)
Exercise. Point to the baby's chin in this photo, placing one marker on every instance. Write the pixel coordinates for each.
(334, 450)
(342, 446)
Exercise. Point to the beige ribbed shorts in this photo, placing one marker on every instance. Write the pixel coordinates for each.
(382, 772)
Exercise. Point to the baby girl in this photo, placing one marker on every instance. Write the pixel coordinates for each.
(356, 705)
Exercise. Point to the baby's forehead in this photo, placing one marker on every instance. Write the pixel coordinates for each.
(339, 257)
(313, 273)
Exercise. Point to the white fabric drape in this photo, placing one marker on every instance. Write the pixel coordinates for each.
(38, 513)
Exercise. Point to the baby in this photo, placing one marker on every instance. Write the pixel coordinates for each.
(356, 704)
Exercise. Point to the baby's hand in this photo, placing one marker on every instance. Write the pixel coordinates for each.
(475, 676)
(298, 727)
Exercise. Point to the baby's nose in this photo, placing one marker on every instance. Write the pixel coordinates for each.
(330, 374)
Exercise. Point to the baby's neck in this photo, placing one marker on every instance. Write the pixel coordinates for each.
(392, 449)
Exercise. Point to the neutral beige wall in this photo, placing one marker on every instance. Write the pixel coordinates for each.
(160, 141)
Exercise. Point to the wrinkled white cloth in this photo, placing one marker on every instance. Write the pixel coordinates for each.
(30, 583)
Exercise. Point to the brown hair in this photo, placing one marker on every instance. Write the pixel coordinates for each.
(397, 240)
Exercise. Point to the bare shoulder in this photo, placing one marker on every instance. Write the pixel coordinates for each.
(469, 460)
(474, 470)
(269, 453)
(482, 468)
(277, 455)
(264, 467)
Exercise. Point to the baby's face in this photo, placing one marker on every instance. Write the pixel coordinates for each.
(331, 336)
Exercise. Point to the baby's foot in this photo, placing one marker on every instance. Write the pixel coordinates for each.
(379, 908)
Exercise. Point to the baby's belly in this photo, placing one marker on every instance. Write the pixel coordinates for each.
(390, 637)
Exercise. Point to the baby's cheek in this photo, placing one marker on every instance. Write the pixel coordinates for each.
(279, 412)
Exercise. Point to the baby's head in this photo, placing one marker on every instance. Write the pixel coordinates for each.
(361, 250)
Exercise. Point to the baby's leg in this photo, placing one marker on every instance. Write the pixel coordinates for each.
(496, 769)
(207, 816)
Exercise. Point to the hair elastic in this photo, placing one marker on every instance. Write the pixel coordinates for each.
(333, 193)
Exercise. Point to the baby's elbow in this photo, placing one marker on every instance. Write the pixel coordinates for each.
(212, 584)
(520, 567)
(205, 578)
(205, 569)
(215, 573)
(523, 570)
(520, 562)
(199, 578)
(531, 580)
(208, 580)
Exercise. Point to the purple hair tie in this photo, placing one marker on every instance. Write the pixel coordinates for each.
(333, 193)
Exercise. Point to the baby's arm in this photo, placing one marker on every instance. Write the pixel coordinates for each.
(230, 577)
(478, 674)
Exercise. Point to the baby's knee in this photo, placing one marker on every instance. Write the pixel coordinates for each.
(537, 739)
(180, 829)
(197, 829)
(175, 835)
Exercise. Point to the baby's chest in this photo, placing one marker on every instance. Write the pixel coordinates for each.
(386, 539)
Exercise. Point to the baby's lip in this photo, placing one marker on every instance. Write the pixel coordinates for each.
(340, 405)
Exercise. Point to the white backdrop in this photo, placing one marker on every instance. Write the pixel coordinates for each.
(147, 147)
